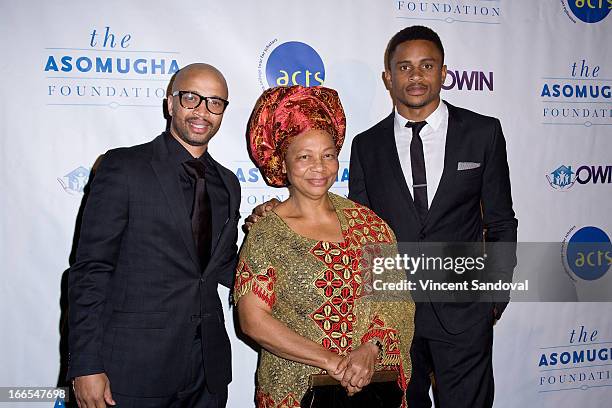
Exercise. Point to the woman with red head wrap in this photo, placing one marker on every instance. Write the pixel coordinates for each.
(281, 114)
(303, 287)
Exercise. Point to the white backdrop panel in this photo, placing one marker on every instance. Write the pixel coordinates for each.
(54, 123)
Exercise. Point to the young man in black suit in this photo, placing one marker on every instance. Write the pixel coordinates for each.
(438, 173)
(158, 235)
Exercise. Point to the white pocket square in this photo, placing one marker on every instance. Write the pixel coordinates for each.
(467, 166)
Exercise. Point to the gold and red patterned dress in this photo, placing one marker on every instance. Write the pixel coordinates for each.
(320, 290)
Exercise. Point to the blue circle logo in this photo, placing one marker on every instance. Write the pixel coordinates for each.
(589, 253)
(590, 11)
(294, 63)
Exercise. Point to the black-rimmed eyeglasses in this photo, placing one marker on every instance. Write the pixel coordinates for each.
(191, 100)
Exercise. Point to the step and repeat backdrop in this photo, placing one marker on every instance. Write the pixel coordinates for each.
(78, 78)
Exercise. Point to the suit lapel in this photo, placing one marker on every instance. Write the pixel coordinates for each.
(167, 175)
(233, 204)
(391, 156)
(451, 151)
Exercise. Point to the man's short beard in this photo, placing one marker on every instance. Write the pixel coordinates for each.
(419, 105)
(191, 142)
(196, 143)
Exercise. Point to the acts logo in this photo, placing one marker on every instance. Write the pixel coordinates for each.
(75, 181)
(563, 177)
(587, 253)
(587, 11)
(290, 63)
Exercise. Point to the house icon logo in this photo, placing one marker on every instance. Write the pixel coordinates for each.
(563, 178)
(59, 403)
(75, 181)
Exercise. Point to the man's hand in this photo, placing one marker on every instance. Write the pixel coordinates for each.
(258, 212)
(93, 391)
(360, 368)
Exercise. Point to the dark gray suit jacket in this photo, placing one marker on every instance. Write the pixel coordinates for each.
(466, 202)
(136, 291)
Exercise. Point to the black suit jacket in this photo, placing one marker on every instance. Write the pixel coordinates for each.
(136, 291)
(465, 203)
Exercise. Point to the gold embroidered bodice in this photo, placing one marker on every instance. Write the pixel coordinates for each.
(322, 290)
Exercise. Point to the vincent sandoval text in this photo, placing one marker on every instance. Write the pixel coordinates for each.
(430, 285)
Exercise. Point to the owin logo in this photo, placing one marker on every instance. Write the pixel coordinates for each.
(468, 80)
(588, 11)
(587, 254)
(563, 177)
(294, 63)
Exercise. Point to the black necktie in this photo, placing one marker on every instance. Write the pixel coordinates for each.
(419, 177)
(201, 220)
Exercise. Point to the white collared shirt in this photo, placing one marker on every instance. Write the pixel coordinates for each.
(434, 143)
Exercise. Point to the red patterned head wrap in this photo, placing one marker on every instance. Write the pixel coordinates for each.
(282, 113)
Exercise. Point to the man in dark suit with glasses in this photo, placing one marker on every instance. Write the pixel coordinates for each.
(158, 235)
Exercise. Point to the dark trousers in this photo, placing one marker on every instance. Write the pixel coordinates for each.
(461, 363)
(194, 395)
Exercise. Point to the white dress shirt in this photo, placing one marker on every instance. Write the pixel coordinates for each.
(433, 136)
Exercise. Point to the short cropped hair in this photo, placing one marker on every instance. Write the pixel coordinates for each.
(409, 34)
